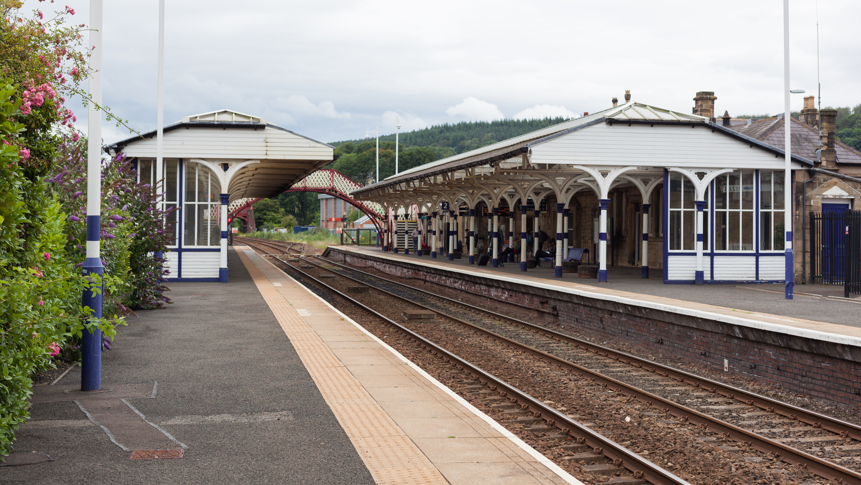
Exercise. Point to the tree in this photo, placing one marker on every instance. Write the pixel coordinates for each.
(288, 222)
(267, 212)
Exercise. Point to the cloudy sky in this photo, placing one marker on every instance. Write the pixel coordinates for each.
(334, 69)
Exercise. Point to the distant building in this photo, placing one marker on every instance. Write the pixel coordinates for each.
(333, 211)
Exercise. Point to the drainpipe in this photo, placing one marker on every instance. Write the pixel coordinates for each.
(804, 227)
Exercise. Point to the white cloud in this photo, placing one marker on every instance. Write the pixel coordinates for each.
(299, 106)
(541, 111)
(475, 109)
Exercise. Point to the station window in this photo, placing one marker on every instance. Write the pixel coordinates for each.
(146, 175)
(202, 207)
(734, 211)
(771, 210)
(683, 215)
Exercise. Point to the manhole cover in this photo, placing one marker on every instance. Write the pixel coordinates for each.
(18, 459)
(156, 454)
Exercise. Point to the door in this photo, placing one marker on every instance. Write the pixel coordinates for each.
(833, 242)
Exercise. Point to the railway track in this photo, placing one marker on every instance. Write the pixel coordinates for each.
(745, 417)
(557, 429)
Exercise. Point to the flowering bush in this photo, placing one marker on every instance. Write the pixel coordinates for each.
(40, 285)
(133, 231)
(40, 288)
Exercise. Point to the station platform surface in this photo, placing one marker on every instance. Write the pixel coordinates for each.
(260, 381)
(813, 312)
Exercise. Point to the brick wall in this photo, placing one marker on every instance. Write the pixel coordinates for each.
(820, 369)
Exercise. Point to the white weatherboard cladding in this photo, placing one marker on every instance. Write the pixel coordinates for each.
(171, 264)
(653, 146)
(772, 268)
(232, 143)
(200, 264)
(735, 268)
(684, 267)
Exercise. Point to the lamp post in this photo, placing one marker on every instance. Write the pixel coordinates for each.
(378, 154)
(397, 129)
(91, 342)
(787, 188)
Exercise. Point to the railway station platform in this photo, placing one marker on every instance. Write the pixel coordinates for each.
(810, 345)
(813, 308)
(260, 381)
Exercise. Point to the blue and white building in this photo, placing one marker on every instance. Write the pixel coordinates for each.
(211, 162)
(636, 184)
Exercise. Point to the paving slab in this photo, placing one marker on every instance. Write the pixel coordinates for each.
(389, 407)
(230, 387)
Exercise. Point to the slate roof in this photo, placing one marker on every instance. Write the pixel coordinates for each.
(805, 139)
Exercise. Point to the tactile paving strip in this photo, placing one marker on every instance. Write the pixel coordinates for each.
(391, 457)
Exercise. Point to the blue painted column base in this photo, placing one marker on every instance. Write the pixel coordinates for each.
(451, 256)
(406, 250)
(699, 278)
(472, 260)
(433, 254)
(396, 250)
(91, 343)
(523, 266)
(222, 275)
(494, 263)
(790, 273)
(559, 271)
(602, 276)
(644, 272)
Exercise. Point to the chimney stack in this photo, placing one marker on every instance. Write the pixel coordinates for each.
(726, 118)
(627, 95)
(810, 115)
(829, 126)
(615, 102)
(704, 105)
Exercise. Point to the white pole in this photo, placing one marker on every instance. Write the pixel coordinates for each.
(787, 184)
(397, 129)
(159, 146)
(378, 154)
(91, 342)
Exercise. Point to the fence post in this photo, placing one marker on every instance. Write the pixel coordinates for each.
(813, 251)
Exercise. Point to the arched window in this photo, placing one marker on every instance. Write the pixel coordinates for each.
(201, 207)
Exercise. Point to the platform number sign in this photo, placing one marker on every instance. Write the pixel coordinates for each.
(445, 206)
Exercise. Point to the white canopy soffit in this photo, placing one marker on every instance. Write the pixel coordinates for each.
(257, 159)
(645, 139)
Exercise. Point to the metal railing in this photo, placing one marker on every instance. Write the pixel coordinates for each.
(835, 250)
(358, 237)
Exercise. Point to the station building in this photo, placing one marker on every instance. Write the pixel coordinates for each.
(636, 184)
(211, 163)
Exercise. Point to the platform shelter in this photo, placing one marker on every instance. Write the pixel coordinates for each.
(636, 184)
(213, 161)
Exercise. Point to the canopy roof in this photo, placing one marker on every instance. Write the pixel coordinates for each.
(628, 113)
(280, 157)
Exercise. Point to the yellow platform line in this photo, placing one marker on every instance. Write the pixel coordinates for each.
(388, 453)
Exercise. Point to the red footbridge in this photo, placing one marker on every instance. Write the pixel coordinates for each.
(325, 181)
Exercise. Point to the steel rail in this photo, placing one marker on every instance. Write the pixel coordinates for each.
(620, 455)
(790, 411)
(540, 310)
(819, 466)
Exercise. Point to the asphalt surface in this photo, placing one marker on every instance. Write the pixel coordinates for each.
(223, 365)
(810, 302)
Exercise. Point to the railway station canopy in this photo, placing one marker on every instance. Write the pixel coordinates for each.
(717, 194)
(214, 162)
(272, 158)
